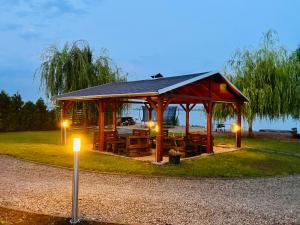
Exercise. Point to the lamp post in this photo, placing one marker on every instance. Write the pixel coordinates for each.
(150, 125)
(76, 150)
(65, 125)
(235, 128)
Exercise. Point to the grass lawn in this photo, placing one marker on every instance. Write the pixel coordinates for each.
(44, 147)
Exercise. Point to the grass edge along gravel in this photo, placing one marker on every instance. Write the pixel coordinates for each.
(247, 162)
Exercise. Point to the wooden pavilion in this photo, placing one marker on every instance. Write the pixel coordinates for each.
(206, 88)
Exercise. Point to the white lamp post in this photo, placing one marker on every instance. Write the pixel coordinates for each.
(235, 128)
(76, 150)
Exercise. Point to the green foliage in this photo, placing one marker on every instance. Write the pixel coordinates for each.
(15, 115)
(268, 77)
(74, 67)
(295, 111)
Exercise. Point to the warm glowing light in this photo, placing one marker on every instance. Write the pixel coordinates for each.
(76, 144)
(156, 128)
(150, 124)
(65, 123)
(223, 88)
(235, 128)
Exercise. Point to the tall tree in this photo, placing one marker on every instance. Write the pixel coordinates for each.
(74, 67)
(295, 109)
(14, 117)
(267, 76)
(29, 120)
(5, 102)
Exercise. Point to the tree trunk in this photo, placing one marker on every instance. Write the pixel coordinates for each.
(250, 131)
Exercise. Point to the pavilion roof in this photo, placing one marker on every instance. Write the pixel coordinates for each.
(143, 88)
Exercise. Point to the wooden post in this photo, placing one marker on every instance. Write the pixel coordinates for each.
(149, 109)
(150, 117)
(187, 119)
(239, 124)
(149, 113)
(209, 145)
(62, 130)
(101, 109)
(159, 135)
(114, 116)
(187, 110)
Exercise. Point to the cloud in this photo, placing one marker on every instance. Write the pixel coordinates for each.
(44, 8)
(28, 17)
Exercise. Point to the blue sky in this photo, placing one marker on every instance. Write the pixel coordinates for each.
(143, 37)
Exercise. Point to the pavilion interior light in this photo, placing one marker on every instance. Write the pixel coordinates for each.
(76, 144)
(235, 128)
(65, 123)
(150, 124)
(223, 88)
(156, 128)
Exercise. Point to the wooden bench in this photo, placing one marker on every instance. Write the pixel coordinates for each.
(137, 146)
(176, 143)
(196, 143)
(140, 132)
(109, 136)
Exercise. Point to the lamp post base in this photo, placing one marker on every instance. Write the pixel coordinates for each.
(72, 221)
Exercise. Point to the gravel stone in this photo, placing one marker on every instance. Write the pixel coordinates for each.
(149, 200)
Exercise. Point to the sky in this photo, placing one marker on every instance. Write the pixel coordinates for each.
(172, 37)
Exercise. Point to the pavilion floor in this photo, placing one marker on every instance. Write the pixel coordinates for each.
(218, 149)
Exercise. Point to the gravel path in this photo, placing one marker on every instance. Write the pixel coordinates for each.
(144, 200)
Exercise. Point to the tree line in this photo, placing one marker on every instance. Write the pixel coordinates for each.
(269, 75)
(17, 115)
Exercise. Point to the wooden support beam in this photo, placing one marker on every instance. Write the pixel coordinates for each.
(149, 109)
(191, 108)
(101, 107)
(149, 117)
(183, 107)
(159, 135)
(114, 116)
(165, 105)
(187, 119)
(209, 145)
(188, 108)
(147, 106)
(152, 104)
(205, 104)
(198, 99)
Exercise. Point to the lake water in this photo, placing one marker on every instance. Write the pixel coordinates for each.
(198, 117)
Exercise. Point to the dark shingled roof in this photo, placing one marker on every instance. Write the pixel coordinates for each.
(133, 88)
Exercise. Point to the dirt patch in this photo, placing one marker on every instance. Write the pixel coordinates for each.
(15, 217)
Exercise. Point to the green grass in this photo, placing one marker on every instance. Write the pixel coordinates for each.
(259, 143)
(44, 147)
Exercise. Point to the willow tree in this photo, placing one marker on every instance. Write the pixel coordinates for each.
(74, 67)
(295, 109)
(268, 77)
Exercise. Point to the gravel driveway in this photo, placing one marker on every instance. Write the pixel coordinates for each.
(150, 200)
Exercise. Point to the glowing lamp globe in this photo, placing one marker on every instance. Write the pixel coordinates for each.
(76, 144)
(235, 128)
(65, 123)
(156, 128)
(150, 124)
